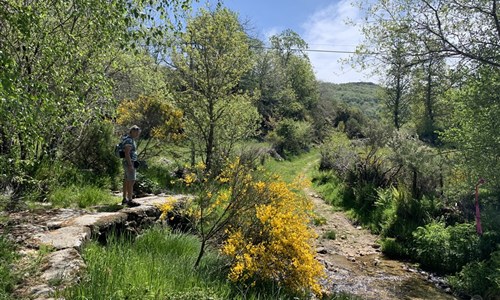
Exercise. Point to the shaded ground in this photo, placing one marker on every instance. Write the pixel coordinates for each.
(356, 266)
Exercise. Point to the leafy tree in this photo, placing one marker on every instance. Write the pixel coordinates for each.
(55, 61)
(285, 79)
(428, 86)
(210, 58)
(468, 30)
(385, 39)
(345, 107)
(397, 85)
(475, 126)
(291, 137)
(136, 74)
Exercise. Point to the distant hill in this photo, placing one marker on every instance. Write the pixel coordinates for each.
(364, 95)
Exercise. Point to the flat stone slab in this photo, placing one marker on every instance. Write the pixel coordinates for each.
(151, 200)
(62, 266)
(97, 221)
(156, 200)
(142, 211)
(42, 291)
(65, 237)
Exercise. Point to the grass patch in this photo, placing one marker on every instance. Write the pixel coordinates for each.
(318, 220)
(300, 165)
(158, 265)
(330, 234)
(330, 187)
(81, 196)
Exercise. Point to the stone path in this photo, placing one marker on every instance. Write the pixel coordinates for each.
(50, 241)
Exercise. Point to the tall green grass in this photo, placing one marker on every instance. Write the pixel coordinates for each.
(159, 265)
(330, 187)
(296, 166)
(81, 196)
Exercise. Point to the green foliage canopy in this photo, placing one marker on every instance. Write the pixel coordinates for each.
(210, 58)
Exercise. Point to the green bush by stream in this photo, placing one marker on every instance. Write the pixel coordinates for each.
(405, 191)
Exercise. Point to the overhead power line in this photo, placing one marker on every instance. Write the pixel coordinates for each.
(324, 51)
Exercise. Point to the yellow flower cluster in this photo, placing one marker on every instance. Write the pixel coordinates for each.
(277, 243)
(166, 207)
(267, 235)
(190, 178)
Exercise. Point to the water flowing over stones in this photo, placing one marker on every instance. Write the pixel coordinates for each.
(355, 265)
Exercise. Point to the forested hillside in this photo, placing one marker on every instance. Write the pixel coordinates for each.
(363, 95)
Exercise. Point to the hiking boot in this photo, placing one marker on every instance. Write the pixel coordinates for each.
(129, 203)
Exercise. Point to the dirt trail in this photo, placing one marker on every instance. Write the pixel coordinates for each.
(355, 265)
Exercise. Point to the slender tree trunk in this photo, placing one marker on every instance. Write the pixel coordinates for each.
(210, 138)
(397, 104)
(428, 98)
(414, 189)
(201, 253)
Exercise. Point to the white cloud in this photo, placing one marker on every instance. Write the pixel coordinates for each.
(326, 29)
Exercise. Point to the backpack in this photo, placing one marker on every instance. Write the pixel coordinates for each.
(119, 152)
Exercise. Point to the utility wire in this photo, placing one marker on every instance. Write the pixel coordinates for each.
(322, 50)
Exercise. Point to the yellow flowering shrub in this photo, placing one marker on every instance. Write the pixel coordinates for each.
(275, 242)
(262, 223)
(156, 117)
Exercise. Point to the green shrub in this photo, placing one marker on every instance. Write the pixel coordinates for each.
(394, 249)
(145, 185)
(446, 249)
(338, 154)
(479, 278)
(291, 137)
(160, 171)
(93, 151)
(405, 215)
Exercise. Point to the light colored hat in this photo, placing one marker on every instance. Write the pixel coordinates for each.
(134, 128)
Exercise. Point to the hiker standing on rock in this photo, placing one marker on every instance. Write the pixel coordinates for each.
(130, 164)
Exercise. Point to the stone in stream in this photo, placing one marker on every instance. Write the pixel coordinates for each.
(321, 250)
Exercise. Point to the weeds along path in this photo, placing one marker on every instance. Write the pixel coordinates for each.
(354, 263)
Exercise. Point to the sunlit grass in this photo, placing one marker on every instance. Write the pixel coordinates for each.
(301, 165)
(158, 265)
(81, 196)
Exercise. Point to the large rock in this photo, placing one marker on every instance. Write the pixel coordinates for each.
(65, 237)
(97, 222)
(62, 266)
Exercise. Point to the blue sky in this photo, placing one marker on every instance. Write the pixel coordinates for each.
(321, 23)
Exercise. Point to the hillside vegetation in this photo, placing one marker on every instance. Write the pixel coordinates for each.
(365, 96)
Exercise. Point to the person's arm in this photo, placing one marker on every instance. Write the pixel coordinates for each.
(127, 148)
